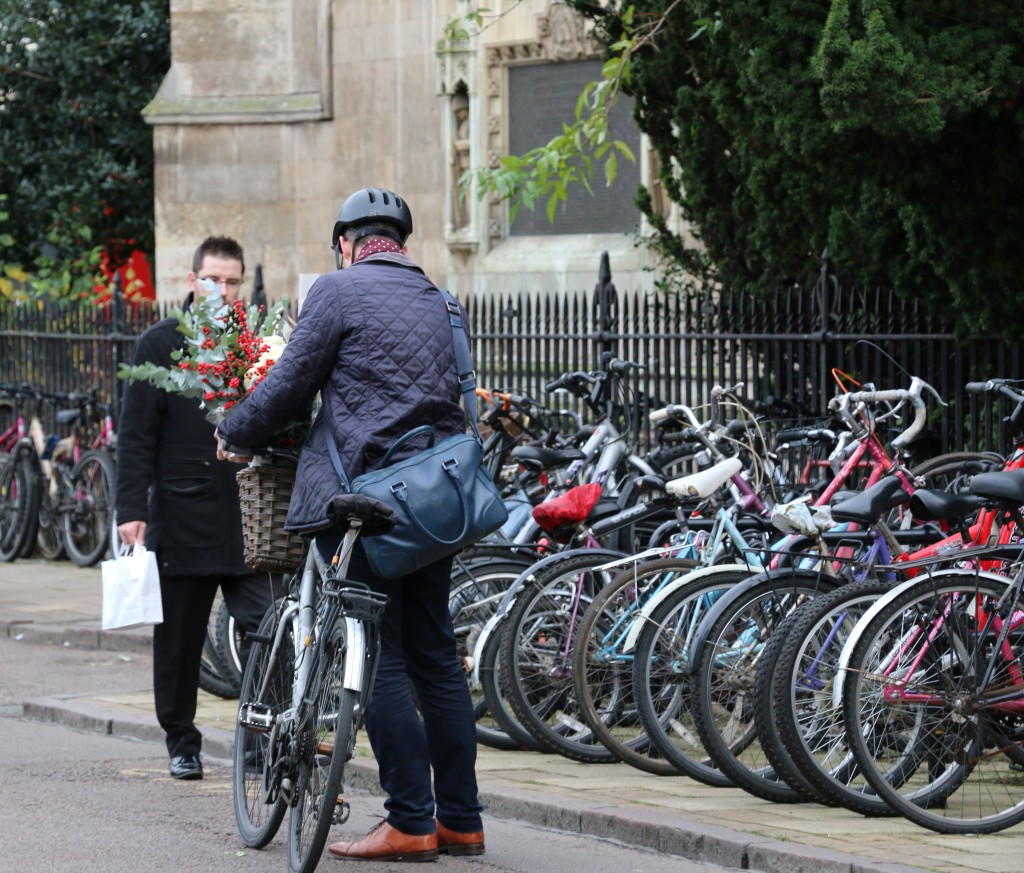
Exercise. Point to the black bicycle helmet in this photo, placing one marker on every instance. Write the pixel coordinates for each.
(371, 205)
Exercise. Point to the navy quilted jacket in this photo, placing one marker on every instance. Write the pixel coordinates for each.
(377, 341)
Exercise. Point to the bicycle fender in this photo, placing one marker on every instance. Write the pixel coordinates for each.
(637, 625)
(731, 596)
(875, 608)
(355, 659)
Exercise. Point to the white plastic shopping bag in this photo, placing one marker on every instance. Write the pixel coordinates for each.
(131, 590)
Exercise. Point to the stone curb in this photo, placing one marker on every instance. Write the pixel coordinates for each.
(658, 830)
(86, 635)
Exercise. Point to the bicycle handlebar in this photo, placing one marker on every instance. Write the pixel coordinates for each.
(675, 412)
(806, 434)
(581, 383)
(899, 396)
(1004, 388)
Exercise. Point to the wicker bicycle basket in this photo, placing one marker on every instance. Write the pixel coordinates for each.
(264, 491)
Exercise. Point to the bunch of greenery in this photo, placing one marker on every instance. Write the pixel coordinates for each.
(887, 132)
(77, 154)
(225, 353)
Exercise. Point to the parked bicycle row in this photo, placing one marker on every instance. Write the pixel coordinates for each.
(56, 490)
(704, 624)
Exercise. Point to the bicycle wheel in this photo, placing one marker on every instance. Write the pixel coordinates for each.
(953, 470)
(804, 732)
(603, 671)
(932, 703)
(227, 640)
(87, 519)
(536, 656)
(324, 739)
(765, 716)
(661, 684)
(506, 728)
(20, 495)
(49, 536)
(479, 581)
(723, 681)
(216, 676)
(259, 802)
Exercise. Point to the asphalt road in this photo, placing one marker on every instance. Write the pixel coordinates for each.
(89, 803)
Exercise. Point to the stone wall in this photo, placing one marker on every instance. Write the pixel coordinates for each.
(275, 110)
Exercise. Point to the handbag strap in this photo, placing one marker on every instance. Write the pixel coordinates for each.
(463, 359)
(467, 385)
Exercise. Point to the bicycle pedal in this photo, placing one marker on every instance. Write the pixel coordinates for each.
(341, 812)
(256, 717)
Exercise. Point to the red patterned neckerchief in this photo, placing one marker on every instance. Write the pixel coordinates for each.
(376, 245)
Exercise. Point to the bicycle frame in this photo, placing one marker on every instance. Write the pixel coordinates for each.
(924, 637)
(311, 615)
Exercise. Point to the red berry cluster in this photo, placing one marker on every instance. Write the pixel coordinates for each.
(236, 348)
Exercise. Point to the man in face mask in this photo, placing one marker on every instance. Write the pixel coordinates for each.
(216, 276)
(173, 497)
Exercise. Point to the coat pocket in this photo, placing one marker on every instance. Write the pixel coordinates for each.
(191, 512)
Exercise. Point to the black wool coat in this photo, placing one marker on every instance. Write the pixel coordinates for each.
(168, 474)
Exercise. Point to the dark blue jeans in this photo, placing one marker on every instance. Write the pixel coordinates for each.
(418, 647)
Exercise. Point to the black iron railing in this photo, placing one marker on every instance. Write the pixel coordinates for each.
(784, 349)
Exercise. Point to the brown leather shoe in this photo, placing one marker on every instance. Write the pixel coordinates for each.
(385, 843)
(456, 843)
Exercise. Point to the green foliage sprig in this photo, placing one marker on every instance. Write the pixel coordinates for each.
(548, 172)
(74, 79)
(225, 353)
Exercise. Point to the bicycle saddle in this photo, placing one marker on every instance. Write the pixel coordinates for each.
(376, 517)
(869, 506)
(928, 504)
(1005, 486)
(545, 457)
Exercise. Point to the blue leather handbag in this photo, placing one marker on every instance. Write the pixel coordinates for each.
(443, 498)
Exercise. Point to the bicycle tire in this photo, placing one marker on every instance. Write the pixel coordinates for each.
(725, 673)
(215, 676)
(952, 471)
(326, 735)
(661, 684)
(86, 520)
(535, 657)
(965, 748)
(49, 536)
(259, 802)
(765, 715)
(479, 581)
(603, 674)
(506, 733)
(808, 728)
(227, 640)
(20, 495)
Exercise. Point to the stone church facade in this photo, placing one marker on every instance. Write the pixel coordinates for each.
(273, 111)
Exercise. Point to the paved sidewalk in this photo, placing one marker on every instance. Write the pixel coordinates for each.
(58, 603)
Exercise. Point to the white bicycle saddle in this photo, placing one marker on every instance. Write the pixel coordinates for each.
(706, 482)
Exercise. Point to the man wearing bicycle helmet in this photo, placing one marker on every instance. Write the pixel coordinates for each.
(375, 339)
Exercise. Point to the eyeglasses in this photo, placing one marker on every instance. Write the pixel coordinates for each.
(210, 283)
